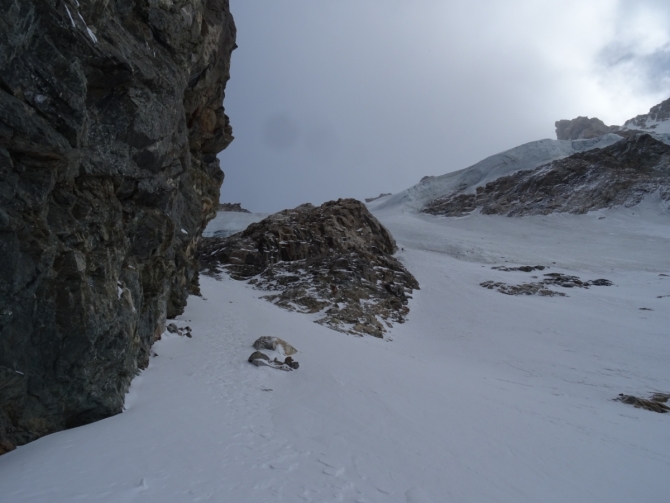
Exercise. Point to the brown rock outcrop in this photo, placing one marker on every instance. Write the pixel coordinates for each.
(335, 259)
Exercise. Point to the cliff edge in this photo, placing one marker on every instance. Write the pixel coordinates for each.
(110, 122)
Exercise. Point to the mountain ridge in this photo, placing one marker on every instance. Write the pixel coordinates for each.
(460, 192)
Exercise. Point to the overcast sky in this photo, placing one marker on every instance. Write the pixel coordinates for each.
(351, 98)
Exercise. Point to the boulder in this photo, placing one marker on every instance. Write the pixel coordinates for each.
(335, 259)
(656, 403)
(272, 343)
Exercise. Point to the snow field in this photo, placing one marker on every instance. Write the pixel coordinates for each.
(479, 397)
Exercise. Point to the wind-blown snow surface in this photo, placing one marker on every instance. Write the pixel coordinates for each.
(479, 397)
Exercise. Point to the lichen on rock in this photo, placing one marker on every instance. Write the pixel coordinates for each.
(110, 120)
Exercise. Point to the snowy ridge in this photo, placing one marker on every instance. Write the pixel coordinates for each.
(656, 121)
(229, 222)
(650, 125)
(527, 156)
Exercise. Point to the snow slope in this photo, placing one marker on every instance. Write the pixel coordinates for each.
(479, 397)
(661, 127)
(527, 156)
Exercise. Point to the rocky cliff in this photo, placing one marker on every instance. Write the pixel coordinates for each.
(110, 121)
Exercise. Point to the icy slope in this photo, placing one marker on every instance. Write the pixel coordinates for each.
(479, 397)
(524, 157)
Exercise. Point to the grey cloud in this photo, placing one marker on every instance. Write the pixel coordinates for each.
(353, 98)
(652, 70)
(323, 143)
(280, 132)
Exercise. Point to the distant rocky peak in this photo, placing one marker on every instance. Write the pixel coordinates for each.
(582, 128)
(657, 114)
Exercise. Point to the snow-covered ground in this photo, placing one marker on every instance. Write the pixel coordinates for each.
(479, 397)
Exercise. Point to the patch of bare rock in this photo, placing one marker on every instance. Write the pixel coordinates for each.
(541, 287)
(619, 175)
(523, 268)
(182, 331)
(278, 354)
(656, 403)
(335, 260)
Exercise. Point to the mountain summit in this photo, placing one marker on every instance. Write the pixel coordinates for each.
(583, 128)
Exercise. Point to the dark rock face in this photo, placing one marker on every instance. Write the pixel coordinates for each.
(541, 287)
(621, 174)
(336, 259)
(582, 128)
(110, 121)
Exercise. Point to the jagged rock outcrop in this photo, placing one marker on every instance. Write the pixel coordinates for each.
(335, 259)
(621, 174)
(110, 121)
(583, 128)
(234, 207)
(657, 114)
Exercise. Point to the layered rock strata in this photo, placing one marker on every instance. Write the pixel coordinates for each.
(335, 260)
(110, 121)
(621, 174)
